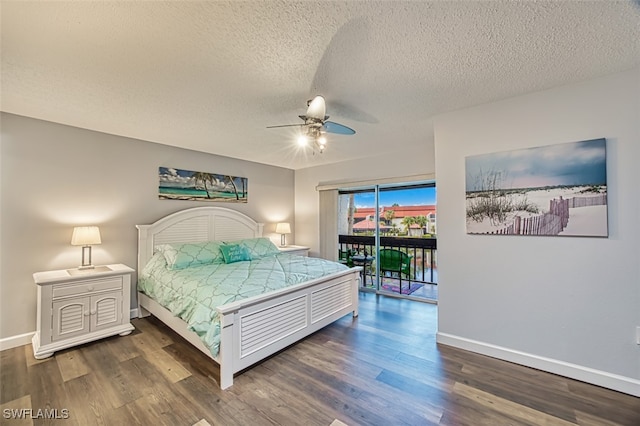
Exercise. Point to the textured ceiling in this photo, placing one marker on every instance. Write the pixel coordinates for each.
(211, 76)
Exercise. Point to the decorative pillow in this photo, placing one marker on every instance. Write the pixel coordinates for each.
(259, 247)
(235, 253)
(181, 256)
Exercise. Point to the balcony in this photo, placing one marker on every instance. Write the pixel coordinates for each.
(421, 278)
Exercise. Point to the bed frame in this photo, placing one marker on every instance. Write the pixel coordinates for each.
(254, 328)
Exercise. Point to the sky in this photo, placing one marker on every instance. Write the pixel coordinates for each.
(403, 197)
(576, 163)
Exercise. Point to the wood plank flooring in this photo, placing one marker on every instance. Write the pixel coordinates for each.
(384, 368)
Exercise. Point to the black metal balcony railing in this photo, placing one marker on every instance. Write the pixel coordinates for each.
(421, 250)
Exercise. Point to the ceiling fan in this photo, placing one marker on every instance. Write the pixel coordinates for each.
(316, 124)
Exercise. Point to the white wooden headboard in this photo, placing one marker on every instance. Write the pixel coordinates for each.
(196, 224)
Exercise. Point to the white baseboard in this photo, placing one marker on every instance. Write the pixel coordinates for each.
(25, 339)
(15, 341)
(584, 374)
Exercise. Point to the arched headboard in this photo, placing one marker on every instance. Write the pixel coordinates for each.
(196, 224)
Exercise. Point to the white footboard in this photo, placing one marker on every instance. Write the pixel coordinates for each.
(253, 329)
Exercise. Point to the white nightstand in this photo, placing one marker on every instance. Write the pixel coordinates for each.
(299, 250)
(78, 306)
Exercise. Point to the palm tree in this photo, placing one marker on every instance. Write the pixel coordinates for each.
(407, 221)
(422, 221)
(389, 215)
(244, 190)
(235, 188)
(351, 213)
(204, 178)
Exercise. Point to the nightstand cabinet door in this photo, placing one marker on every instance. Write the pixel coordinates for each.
(70, 318)
(106, 311)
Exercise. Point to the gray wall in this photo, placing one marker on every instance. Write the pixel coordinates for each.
(54, 177)
(567, 305)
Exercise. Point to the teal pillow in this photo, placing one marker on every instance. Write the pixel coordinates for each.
(235, 253)
(185, 255)
(259, 247)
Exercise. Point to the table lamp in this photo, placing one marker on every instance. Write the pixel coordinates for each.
(85, 236)
(283, 228)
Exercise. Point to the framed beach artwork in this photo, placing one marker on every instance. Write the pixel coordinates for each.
(177, 184)
(558, 190)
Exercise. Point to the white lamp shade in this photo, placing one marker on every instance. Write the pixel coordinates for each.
(283, 228)
(85, 235)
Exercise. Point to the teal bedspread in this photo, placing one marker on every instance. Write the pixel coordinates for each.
(193, 293)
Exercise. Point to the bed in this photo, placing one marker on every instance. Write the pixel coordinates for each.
(252, 328)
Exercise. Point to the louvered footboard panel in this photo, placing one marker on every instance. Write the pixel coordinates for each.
(262, 328)
(330, 300)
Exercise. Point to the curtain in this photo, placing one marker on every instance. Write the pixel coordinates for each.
(329, 224)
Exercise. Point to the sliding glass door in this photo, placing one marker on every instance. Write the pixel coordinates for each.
(390, 231)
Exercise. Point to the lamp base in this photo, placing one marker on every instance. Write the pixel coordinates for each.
(80, 268)
(86, 258)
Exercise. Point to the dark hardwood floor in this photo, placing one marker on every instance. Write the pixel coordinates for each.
(383, 368)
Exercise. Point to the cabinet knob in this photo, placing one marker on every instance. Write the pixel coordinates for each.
(93, 312)
(86, 313)
(90, 288)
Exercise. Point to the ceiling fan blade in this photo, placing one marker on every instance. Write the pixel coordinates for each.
(331, 127)
(285, 125)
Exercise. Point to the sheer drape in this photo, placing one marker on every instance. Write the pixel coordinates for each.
(329, 224)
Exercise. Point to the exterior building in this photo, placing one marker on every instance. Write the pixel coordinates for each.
(397, 221)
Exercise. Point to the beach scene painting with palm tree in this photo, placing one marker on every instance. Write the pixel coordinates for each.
(178, 184)
(558, 190)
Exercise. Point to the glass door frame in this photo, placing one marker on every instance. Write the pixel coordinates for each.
(376, 276)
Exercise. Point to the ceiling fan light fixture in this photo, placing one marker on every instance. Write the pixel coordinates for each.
(321, 141)
(317, 109)
(316, 124)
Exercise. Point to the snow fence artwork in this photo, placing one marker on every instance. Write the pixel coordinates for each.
(551, 190)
